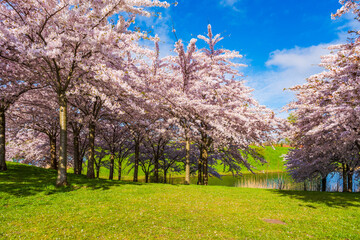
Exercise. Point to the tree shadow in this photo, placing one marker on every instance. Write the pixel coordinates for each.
(331, 199)
(23, 180)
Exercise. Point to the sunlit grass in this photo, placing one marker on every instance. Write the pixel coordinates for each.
(32, 208)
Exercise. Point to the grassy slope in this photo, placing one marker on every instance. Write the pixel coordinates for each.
(32, 208)
(272, 156)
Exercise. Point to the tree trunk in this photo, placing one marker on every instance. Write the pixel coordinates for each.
(305, 186)
(200, 182)
(187, 162)
(119, 170)
(345, 187)
(91, 160)
(156, 170)
(165, 172)
(62, 176)
(53, 161)
(323, 184)
(3, 166)
(77, 162)
(98, 171)
(205, 166)
(136, 166)
(111, 175)
(146, 177)
(349, 178)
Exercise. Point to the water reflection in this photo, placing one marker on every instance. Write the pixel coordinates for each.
(279, 180)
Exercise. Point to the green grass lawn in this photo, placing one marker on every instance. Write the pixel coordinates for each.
(32, 208)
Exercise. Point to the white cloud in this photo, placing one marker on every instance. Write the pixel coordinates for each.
(162, 27)
(289, 67)
(299, 59)
(230, 3)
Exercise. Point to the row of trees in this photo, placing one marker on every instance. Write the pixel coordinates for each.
(67, 72)
(325, 127)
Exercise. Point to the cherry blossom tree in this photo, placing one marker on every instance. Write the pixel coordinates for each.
(113, 137)
(15, 80)
(218, 108)
(325, 131)
(69, 40)
(185, 67)
(29, 147)
(79, 138)
(36, 110)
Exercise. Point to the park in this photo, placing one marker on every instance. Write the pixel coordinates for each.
(147, 119)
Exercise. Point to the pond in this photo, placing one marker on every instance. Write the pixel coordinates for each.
(280, 180)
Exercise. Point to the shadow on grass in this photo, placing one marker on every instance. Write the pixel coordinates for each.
(23, 180)
(331, 199)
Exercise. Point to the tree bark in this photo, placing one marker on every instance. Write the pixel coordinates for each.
(350, 182)
(77, 162)
(349, 178)
(91, 160)
(98, 171)
(136, 166)
(53, 161)
(111, 174)
(200, 180)
(205, 166)
(119, 170)
(62, 176)
(3, 166)
(165, 172)
(156, 170)
(345, 187)
(323, 184)
(146, 177)
(187, 162)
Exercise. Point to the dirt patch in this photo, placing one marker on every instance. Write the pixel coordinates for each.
(274, 221)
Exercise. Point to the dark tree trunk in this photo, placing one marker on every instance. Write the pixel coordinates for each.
(200, 167)
(205, 166)
(119, 170)
(187, 162)
(136, 166)
(156, 170)
(350, 183)
(349, 178)
(111, 175)
(91, 160)
(98, 171)
(165, 172)
(3, 166)
(53, 161)
(77, 162)
(146, 177)
(81, 159)
(323, 184)
(305, 186)
(200, 180)
(62, 176)
(345, 187)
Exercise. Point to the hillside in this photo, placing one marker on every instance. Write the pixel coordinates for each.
(32, 208)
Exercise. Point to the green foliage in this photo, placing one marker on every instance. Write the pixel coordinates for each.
(273, 157)
(292, 118)
(32, 208)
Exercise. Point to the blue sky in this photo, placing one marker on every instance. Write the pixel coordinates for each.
(281, 41)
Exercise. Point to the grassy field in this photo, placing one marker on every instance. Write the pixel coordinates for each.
(273, 157)
(32, 208)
